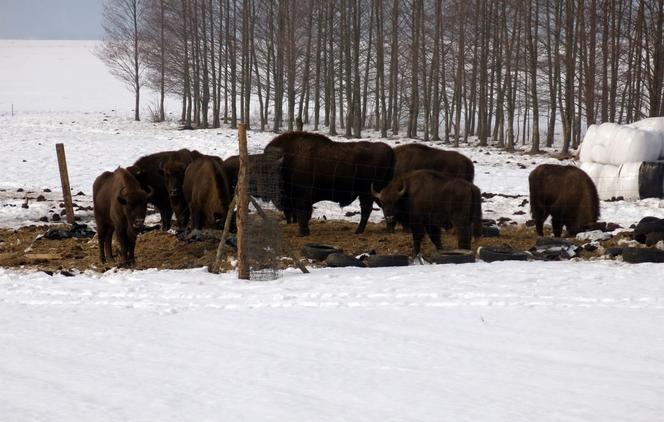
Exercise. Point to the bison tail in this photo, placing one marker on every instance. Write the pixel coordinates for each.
(477, 212)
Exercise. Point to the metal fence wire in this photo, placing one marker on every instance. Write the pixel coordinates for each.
(265, 246)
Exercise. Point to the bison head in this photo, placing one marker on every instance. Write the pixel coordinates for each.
(173, 172)
(134, 205)
(388, 199)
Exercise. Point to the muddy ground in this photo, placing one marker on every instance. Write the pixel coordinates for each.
(156, 249)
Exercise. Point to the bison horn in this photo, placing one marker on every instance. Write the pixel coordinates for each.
(373, 192)
(402, 191)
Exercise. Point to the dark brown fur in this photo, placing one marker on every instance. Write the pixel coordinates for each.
(119, 206)
(173, 173)
(566, 193)
(316, 169)
(148, 171)
(232, 168)
(426, 200)
(207, 193)
(411, 157)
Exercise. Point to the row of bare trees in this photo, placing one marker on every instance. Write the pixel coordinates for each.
(505, 70)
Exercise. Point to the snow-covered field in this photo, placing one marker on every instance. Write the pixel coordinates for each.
(569, 341)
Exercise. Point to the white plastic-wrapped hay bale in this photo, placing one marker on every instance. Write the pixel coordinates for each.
(627, 183)
(585, 152)
(611, 143)
(629, 180)
(653, 124)
(593, 170)
(607, 181)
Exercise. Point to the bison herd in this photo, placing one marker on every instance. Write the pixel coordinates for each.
(424, 189)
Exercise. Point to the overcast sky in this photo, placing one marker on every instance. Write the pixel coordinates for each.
(50, 19)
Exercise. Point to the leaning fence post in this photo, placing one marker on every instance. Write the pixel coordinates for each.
(242, 206)
(64, 181)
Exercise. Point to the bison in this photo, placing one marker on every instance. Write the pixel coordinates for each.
(315, 168)
(173, 173)
(419, 157)
(426, 200)
(566, 193)
(119, 206)
(149, 172)
(206, 192)
(263, 173)
(411, 157)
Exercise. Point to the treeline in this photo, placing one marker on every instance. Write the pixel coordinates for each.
(438, 70)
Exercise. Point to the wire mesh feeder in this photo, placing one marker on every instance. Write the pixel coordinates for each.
(266, 245)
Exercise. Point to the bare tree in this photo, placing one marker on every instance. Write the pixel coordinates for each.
(122, 21)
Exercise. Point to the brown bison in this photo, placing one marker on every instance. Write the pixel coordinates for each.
(263, 172)
(149, 172)
(206, 192)
(420, 157)
(426, 200)
(567, 194)
(119, 206)
(411, 157)
(315, 168)
(173, 173)
(231, 167)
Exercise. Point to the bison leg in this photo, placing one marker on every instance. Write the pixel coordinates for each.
(108, 243)
(183, 219)
(166, 214)
(303, 212)
(366, 205)
(196, 218)
(464, 235)
(557, 225)
(123, 239)
(131, 246)
(289, 213)
(418, 234)
(102, 229)
(289, 209)
(539, 216)
(434, 235)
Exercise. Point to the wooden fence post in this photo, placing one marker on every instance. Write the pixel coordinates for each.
(64, 181)
(242, 206)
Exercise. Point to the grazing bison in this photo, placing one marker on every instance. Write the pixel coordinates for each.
(426, 200)
(567, 194)
(173, 173)
(149, 172)
(206, 192)
(421, 157)
(411, 157)
(119, 206)
(314, 168)
(231, 167)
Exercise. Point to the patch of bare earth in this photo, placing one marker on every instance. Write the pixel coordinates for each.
(156, 249)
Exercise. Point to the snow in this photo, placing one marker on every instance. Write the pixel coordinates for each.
(507, 341)
(554, 341)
